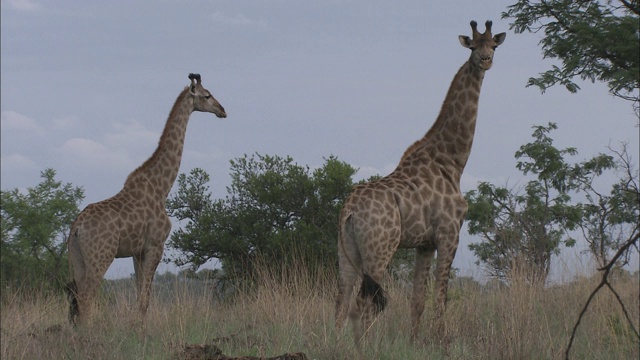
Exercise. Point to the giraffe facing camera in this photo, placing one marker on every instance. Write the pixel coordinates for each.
(419, 205)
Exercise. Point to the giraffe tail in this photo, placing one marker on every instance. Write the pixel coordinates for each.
(72, 291)
(72, 287)
(371, 289)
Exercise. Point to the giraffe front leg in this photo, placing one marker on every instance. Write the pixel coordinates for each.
(147, 262)
(145, 267)
(420, 281)
(446, 253)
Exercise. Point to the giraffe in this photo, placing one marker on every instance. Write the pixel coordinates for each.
(134, 222)
(419, 205)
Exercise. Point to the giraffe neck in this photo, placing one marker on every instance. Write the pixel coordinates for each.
(160, 171)
(451, 136)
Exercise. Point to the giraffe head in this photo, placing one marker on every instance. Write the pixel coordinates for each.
(482, 45)
(202, 98)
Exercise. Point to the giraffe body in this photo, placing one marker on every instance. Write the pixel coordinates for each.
(134, 222)
(419, 205)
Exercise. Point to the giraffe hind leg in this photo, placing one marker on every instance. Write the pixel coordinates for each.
(76, 288)
(345, 290)
(349, 262)
(371, 300)
(347, 281)
(85, 286)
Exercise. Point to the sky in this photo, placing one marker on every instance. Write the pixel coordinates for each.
(87, 87)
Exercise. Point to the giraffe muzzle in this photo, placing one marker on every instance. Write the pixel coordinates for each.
(221, 113)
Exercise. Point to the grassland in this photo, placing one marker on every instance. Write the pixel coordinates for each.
(290, 312)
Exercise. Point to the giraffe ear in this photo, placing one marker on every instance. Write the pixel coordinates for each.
(465, 41)
(499, 39)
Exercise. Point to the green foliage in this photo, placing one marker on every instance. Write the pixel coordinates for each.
(274, 209)
(594, 40)
(522, 229)
(35, 227)
(609, 221)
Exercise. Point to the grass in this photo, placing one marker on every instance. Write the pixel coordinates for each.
(291, 312)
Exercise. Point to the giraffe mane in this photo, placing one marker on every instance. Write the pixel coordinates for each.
(132, 176)
(438, 122)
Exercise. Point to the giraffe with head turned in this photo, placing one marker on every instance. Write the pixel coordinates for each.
(134, 222)
(419, 205)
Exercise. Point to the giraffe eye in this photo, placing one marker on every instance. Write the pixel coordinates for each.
(494, 47)
(208, 96)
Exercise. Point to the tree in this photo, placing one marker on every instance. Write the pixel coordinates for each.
(609, 220)
(594, 40)
(193, 203)
(275, 209)
(35, 227)
(521, 231)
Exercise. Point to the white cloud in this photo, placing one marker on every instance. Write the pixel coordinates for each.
(83, 146)
(65, 122)
(16, 163)
(118, 151)
(11, 120)
(237, 19)
(132, 135)
(18, 171)
(24, 5)
(94, 155)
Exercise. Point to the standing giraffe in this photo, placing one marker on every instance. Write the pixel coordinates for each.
(134, 222)
(419, 205)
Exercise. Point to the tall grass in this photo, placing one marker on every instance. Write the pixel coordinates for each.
(289, 310)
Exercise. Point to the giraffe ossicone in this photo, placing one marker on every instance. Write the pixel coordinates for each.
(419, 205)
(133, 223)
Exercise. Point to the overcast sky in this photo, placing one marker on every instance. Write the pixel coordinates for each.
(87, 87)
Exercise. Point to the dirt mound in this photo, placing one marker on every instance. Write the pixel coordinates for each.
(212, 352)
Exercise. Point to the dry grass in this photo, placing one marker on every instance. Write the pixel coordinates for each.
(289, 312)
